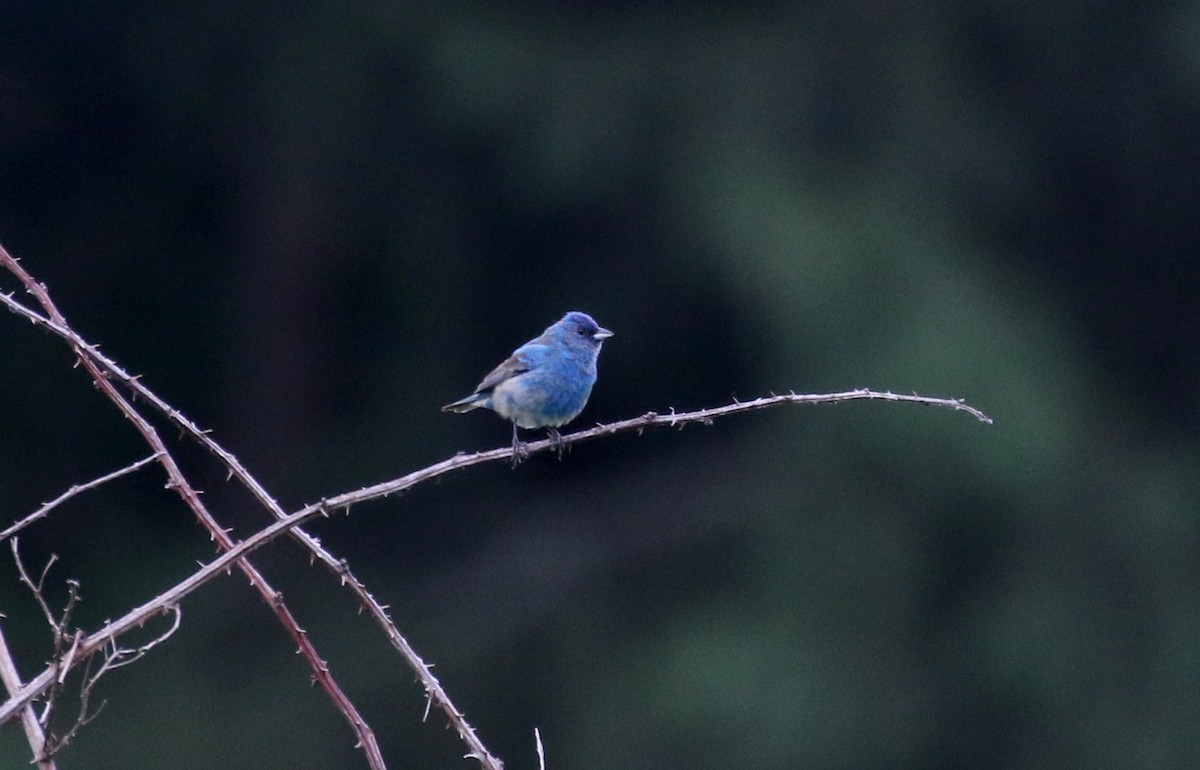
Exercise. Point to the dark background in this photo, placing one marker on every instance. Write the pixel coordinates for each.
(311, 224)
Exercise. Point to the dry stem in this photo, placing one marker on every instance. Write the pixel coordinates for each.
(460, 461)
(105, 372)
(87, 355)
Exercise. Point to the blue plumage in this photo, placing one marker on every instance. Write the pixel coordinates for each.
(546, 382)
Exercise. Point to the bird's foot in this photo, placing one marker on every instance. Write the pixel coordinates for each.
(520, 450)
(557, 439)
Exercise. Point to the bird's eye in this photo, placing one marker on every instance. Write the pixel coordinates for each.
(582, 332)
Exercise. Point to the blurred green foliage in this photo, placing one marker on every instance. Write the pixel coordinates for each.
(310, 225)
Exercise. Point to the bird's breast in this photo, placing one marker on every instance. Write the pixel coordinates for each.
(545, 396)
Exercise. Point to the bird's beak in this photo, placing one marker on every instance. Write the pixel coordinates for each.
(601, 334)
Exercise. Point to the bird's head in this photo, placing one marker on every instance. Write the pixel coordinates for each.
(580, 326)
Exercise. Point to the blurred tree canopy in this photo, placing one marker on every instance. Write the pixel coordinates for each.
(310, 225)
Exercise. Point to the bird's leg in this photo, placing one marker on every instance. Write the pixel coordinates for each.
(518, 448)
(556, 437)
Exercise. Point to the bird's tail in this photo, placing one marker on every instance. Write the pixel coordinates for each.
(473, 401)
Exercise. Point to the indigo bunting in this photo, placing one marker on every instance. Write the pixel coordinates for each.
(545, 382)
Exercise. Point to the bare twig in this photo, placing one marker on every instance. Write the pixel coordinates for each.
(101, 368)
(62, 656)
(44, 742)
(122, 656)
(34, 734)
(74, 490)
(649, 420)
(85, 715)
(541, 753)
(114, 657)
(36, 587)
(460, 461)
(87, 355)
(339, 567)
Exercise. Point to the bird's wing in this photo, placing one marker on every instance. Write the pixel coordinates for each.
(521, 361)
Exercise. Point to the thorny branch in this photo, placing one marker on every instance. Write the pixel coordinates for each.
(87, 356)
(460, 461)
(74, 490)
(103, 369)
(339, 567)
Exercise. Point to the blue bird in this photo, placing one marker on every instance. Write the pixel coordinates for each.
(546, 382)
